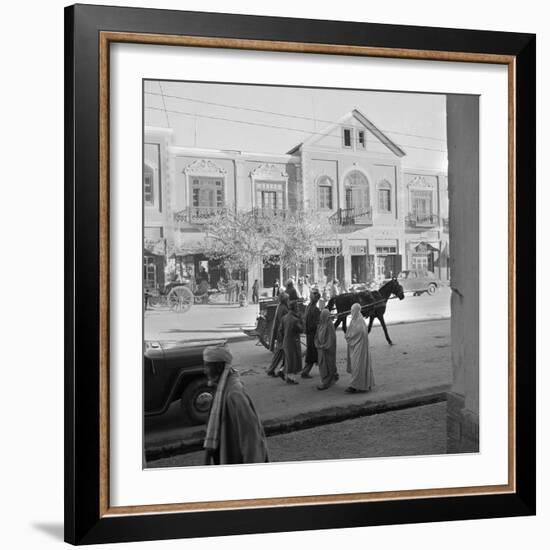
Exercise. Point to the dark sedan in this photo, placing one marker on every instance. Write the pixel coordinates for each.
(173, 371)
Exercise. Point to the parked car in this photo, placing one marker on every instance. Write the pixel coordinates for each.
(417, 281)
(174, 372)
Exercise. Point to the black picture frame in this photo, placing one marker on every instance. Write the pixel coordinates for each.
(84, 521)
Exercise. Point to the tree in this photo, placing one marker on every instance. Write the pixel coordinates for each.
(240, 238)
(297, 236)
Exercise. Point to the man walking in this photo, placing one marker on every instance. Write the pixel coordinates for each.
(234, 434)
(277, 334)
(292, 344)
(311, 321)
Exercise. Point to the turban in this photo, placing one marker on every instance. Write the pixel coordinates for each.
(217, 354)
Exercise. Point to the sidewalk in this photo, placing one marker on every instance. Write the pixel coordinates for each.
(415, 371)
(214, 321)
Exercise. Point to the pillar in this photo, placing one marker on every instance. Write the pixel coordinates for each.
(463, 147)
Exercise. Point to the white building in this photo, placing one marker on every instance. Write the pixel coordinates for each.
(386, 215)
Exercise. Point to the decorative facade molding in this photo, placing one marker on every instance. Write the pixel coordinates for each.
(384, 184)
(268, 171)
(203, 167)
(420, 181)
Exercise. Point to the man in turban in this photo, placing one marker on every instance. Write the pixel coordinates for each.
(234, 434)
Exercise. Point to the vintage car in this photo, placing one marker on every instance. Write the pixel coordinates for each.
(418, 281)
(173, 371)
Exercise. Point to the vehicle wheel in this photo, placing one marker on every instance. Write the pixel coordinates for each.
(431, 289)
(196, 400)
(263, 332)
(180, 299)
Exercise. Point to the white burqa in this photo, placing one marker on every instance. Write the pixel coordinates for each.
(359, 358)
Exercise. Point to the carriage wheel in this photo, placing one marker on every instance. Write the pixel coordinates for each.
(152, 300)
(263, 330)
(180, 299)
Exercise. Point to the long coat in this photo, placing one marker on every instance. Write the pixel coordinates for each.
(292, 328)
(325, 341)
(242, 437)
(276, 334)
(311, 320)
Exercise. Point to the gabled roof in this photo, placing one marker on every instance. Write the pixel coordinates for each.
(364, 121)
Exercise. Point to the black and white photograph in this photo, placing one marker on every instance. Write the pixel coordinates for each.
(299, 257)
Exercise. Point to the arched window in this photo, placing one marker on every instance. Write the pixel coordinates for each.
(384, 196)
(148, 185)
(357, 191)
(324, 193)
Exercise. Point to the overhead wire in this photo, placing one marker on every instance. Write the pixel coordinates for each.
(273, 126)
(299, 117)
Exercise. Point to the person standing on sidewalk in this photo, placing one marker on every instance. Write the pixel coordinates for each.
(325, 342)
(292, 344)
(234, 434)
(291, 291)
(359, 358)
(276, 288)
(311, 320)
(255, 291)
(276, 339)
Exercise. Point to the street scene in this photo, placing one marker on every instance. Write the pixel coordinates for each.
(296, 275)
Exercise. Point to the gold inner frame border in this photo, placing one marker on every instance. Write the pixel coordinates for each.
(105, 40)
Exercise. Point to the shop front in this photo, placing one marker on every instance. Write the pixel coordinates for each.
(424, 256)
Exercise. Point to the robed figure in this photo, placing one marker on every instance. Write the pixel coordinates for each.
(292, 345)
(234, 434)
(325, 342)
(359, 362)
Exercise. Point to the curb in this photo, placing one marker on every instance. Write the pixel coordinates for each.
(307, 420)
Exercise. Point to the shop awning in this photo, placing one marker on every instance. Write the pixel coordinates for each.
(426, 247)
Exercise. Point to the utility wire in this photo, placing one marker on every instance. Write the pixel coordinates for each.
(300, 117)
(164, 104)
(302, 131)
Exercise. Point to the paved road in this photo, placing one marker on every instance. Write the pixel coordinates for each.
(414, 431)
(419, 361)
(225, 321)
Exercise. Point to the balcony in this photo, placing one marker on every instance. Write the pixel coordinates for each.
(347, 217)
(421, 221)
(198, 214)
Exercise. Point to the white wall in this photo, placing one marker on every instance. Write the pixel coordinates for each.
(32, 429)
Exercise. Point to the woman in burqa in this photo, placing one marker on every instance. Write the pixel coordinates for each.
(325, 342)
(359, 358)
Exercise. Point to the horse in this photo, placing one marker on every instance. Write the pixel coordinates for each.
(377, 298)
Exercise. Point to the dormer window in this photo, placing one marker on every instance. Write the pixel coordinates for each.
(347, 137)
(361, 139)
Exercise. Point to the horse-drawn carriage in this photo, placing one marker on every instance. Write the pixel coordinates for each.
(180, 296)
(266, 316)
(373, 306)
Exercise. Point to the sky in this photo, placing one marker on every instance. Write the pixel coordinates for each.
(273, 119)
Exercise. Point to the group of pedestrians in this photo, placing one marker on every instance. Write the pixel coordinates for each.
(316, 324)
(235, 434)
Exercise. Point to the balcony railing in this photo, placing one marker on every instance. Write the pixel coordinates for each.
(268, 213)
(352, 216)
(422, 220)
(198, 214)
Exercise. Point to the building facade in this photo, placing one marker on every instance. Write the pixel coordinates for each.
(385, 216)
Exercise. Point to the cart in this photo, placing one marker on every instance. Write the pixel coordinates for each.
(265, 319)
